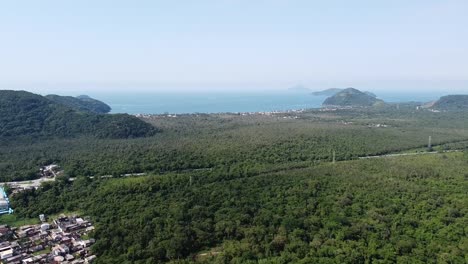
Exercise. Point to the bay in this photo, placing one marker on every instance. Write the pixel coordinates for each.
(233, 102)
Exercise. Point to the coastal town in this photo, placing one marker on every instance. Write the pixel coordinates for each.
(62, 239)
(65, 239)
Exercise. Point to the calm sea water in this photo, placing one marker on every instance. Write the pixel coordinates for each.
(210, 102)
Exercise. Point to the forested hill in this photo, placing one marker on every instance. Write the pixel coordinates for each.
(352, 97)
(81, 103)
(452, 102)
(24, 114)
(333, 91)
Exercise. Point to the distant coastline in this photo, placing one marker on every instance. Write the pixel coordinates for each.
(190, 103)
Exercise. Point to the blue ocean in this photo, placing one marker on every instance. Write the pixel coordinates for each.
(222, 102)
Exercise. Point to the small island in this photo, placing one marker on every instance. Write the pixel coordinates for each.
(352, 97)
(333, 91)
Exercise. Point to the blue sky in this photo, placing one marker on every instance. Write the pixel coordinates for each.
(244, 44)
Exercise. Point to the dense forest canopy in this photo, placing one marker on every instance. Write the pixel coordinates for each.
(395, 210)
(81, 103)
(27, 115)
(234, 141)
(256, 188)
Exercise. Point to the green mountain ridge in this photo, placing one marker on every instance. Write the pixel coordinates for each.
(451, 102)
(24, 114)
(81, 103)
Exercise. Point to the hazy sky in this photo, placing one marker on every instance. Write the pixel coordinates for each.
(176, 44)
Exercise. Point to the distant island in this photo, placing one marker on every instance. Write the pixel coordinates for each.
(352, 97)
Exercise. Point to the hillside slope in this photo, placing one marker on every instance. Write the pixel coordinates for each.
(24, 114)
(81, 103)
(451, 102)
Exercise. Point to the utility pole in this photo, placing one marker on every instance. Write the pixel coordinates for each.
(429, 144)
(334, 157)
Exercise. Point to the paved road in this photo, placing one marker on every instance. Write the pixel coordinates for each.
(28, 184)
(407, 154)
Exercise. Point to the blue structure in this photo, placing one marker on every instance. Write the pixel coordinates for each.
(4, 203)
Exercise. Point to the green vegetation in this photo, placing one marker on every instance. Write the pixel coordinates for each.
(410, 209)
(352, 97)
(25, 116)
(44, 251)
(17, 221)
(82, 103)
(236, 142)
(452, 102)
(231, 188)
